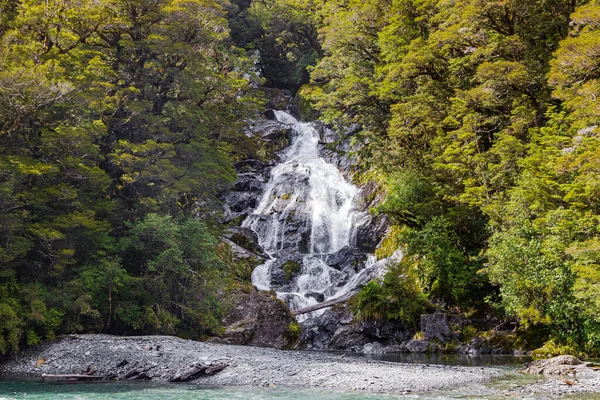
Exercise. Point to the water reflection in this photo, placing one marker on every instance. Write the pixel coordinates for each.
(484, 360)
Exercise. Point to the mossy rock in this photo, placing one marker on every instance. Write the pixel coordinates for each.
(290, 268)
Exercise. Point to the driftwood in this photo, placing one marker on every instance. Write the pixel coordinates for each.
(197, 370)
(342, 299)
(70, 377)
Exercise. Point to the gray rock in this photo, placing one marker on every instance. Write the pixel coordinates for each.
(336, 329)
(346, 259)
(435, 326)
(247, 239)
(255, 318)
(417, 346)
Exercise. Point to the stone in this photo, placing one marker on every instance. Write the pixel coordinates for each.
(370, 233)
(247, 239)
(417, 346)
(435, 326)
(561, 365)
(255, 318)
(336, 329)
(270, 115)
(347, 258)
(319, 297)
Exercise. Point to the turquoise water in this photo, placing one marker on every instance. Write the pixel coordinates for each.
(149, 391)
(36, 390)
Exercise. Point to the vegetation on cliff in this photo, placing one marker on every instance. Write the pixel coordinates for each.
(120, 119)
(482, 118)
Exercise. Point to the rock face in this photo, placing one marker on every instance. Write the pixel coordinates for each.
(277, 200)
(435, 326)
(336, 329)
(256, 318)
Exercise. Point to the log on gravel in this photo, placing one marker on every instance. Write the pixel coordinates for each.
(70, 377)
(197, 370)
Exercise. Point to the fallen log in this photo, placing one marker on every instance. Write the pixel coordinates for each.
(342, 299)
(215, 368)
(70, 377)
(188, 374)
(197, 370)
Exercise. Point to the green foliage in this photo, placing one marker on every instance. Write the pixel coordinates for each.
(294, 331)
(285, 32)
(483, 117)
(290, 267)
(397, 297)
(113, 116)
(552, 349)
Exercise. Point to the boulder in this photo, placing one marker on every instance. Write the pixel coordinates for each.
(346, 259)
(255, 318)
(435, 326)
(417, 346)
(336, 329)
(247, 239)
(371, 232)
(561, 365)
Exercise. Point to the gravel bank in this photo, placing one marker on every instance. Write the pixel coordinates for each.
(161, 357)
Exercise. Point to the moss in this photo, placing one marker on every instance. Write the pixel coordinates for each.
(390, 243)
(293, 332)
(468, 333)
(286, 196)
(290, 216)
(552, 349)
(290, 267)
(450, 347)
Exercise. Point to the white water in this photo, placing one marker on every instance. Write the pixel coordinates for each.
(306, 193)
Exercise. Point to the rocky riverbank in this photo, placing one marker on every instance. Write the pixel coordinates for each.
(161, 358)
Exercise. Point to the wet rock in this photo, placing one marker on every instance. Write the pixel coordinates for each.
(326, 135)
(240, 201)
(270, 115)
(371, 232)
(435, 326)
(247, 239)
(417, 346)
(373, 348)
(347, 258)
(248, 182)
(319, 297)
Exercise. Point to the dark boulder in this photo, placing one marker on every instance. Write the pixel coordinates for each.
(245, 238)
(370, 234)
(256, 318)
(346, 259)
(319, 297)
(336, 329)
(270, 115)
(435, 326)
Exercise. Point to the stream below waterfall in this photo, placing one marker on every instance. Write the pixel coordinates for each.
(306, 220)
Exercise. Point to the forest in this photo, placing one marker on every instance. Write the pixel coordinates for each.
(120, 121)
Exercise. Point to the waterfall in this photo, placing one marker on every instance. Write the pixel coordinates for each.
(306, 220)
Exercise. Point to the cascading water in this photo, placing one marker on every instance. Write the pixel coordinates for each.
(307, 221)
